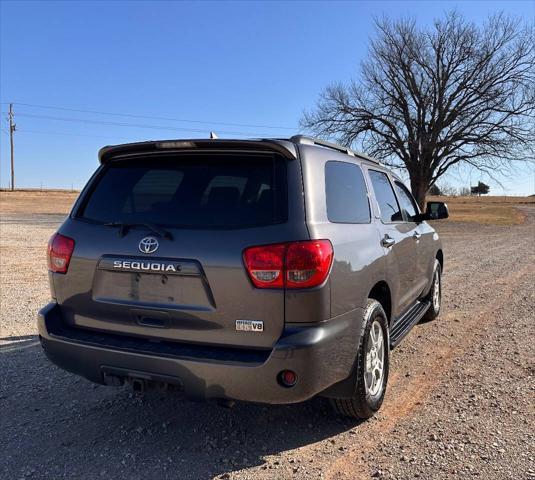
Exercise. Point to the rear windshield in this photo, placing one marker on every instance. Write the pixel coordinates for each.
(193, 191)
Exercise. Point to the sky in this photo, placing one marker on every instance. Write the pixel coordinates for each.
(183, 69)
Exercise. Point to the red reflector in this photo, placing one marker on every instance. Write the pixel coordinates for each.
(288, 378)
(60, 250)
(292, 265)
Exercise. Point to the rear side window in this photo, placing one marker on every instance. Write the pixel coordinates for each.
(386, 199)
(347, 198)
(191, 191)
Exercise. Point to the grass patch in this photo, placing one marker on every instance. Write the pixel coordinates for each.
(486, 210)
(21, 201)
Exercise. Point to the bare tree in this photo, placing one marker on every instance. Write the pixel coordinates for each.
(464, 191)
(431, 98)
(447, 189)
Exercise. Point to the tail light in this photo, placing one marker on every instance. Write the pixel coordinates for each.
(308, 263)
(60, 250)
(265, 265)
(292, 265)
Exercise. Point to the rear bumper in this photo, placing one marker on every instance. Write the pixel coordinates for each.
(321, 355)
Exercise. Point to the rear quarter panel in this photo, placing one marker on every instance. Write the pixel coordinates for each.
(358, 256)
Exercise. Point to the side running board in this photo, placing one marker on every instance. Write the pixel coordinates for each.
(402, 325)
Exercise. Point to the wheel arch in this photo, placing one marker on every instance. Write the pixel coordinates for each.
(440, 257)
(381, 292)
(347, 388)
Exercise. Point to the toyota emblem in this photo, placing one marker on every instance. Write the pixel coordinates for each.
(148, 245)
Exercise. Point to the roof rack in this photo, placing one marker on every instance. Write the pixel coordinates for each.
(304, 140)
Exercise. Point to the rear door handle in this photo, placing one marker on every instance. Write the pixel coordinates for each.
(387, 241)
(416, 236)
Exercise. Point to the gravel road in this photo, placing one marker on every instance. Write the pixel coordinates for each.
(459, 401)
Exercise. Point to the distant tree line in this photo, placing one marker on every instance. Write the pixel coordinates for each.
(450, 191)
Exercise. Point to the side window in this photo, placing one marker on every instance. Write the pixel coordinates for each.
(408, 206)
(388, 205)
(346, 194)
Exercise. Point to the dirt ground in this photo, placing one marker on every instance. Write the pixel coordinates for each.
(459, 401)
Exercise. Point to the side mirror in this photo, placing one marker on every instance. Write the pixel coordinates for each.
(436, 211)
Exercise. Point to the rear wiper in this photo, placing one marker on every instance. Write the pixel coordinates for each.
(124, 227)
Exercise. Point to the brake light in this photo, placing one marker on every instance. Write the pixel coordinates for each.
(308, 263)
(60, 250)
(265, 265)
(292, 265)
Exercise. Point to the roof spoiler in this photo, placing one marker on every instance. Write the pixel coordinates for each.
(284, 148)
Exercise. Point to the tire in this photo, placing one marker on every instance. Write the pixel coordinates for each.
(435, 294)
(369, 394)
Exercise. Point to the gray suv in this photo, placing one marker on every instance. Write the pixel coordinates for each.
(265, 271)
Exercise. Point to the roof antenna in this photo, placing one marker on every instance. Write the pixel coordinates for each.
(213, 136)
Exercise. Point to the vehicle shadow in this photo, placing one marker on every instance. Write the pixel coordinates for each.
(55, 423)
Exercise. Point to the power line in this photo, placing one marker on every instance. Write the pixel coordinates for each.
(24, 130)
(135, 125)
(153, 117)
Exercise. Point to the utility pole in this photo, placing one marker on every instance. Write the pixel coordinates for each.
(12, 127)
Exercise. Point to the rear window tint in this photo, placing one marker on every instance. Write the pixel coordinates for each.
(192, 191)
(347, 197)
(223, 181)
(153, 187)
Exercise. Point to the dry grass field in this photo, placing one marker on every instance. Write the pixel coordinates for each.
(486, 210)
(29, 201)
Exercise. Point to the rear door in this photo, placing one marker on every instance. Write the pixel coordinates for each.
(159, 243)
(398, 244)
